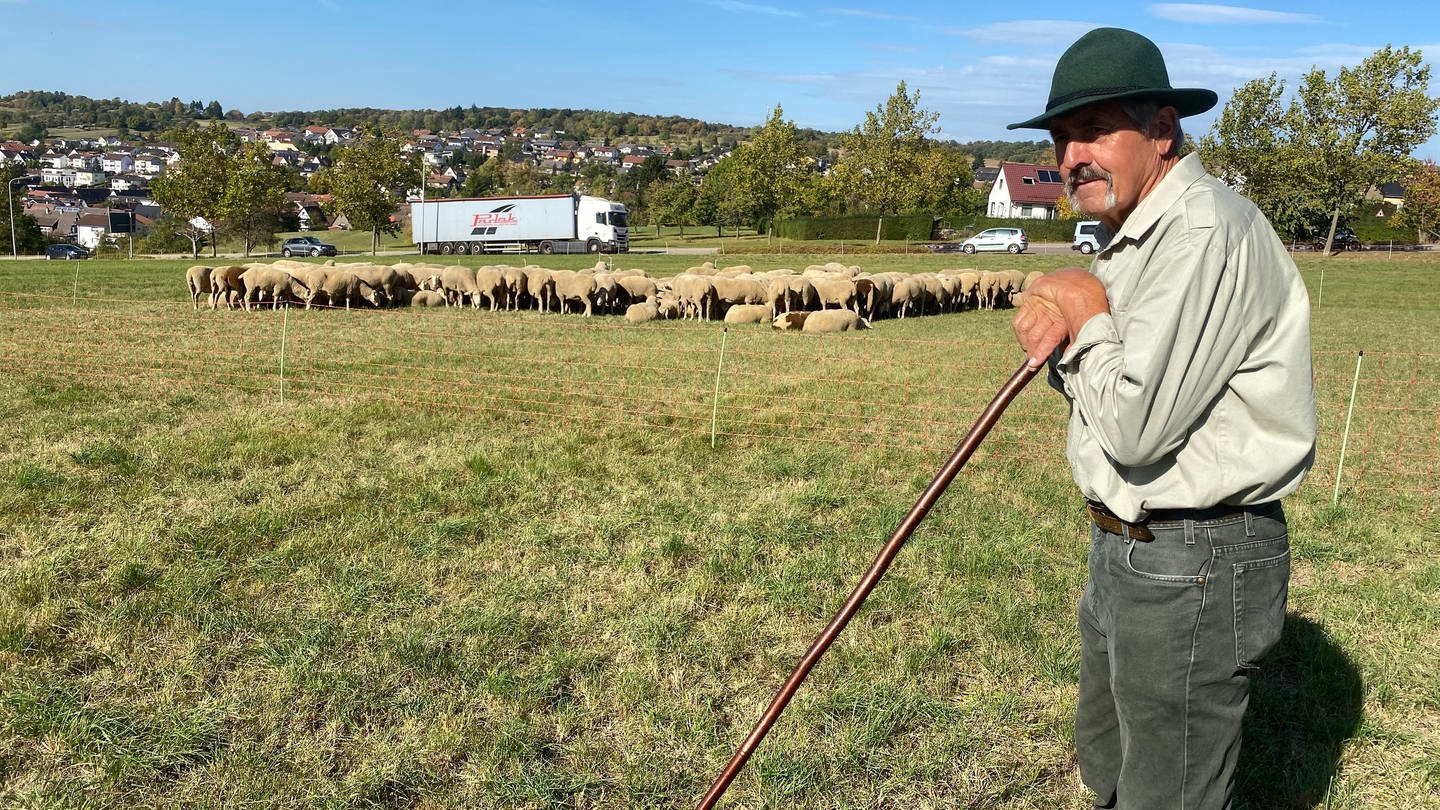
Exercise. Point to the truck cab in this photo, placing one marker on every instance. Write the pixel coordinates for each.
(602, 225)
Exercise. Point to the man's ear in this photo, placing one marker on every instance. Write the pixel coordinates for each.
(1165, 132)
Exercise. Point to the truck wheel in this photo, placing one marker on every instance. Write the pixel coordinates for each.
(592, 246)
(446, 248)
(476, 248)
(547, 247)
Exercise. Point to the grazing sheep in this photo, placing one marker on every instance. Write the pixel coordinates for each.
(748, 313)
(458, 284)
(1031, 278)
(514, 279)
(695, 295)
(787, 321)
(736, 290)
(383, 278)
(836, 290)
(225, 284)
(490, 285)
(906, 296)
(988, 289)
(638, 288)
(607, 292)
(257, 282)
(834, 320)
(540, 286)
(344, 285)
(642, 312)
(197, 278)
(573, 286)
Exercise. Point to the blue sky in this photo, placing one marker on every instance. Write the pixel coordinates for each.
(826, 62)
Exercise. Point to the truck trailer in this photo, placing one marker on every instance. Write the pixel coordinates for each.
(551, 223)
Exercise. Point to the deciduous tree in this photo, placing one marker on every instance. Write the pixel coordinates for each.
(367, 179)
(195, 186)
(771, 170)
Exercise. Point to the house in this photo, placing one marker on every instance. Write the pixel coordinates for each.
(1025, 191)
(117, 163)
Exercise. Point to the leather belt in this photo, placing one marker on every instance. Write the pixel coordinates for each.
(1111, 523)
(1114, 524)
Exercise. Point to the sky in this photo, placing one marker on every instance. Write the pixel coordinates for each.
(978, 66)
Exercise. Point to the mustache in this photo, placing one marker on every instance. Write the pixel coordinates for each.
(1083, 174)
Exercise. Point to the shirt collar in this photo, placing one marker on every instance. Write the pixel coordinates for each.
(1165, 194)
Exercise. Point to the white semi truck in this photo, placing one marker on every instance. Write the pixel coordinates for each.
(552, 223)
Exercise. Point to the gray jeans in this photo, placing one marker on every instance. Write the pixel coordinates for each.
(1169, 631)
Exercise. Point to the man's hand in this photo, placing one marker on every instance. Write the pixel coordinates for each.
(1054, 309)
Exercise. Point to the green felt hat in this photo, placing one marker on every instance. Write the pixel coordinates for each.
(1109, 64)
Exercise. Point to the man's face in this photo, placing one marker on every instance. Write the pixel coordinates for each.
(1107, 163)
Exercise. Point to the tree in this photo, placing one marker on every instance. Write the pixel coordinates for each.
(672, 203)
(195, 187)
(771, 170)
(254, 193)
(719, 202)
(367, 179)
(1421, 211)
(213, 110)
(1318, 156)
(889, 164)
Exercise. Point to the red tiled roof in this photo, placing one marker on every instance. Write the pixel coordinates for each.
(1031, 190)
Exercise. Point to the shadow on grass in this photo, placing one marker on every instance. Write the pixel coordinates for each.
(1306, 700)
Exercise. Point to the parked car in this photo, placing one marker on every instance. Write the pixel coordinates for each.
(1085, 240)
(306, 246)
(1345, 239)
(66, 251)
(1011, 239)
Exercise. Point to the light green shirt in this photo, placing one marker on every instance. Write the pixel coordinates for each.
(1196, 388)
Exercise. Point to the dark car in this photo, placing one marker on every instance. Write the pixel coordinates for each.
(66, 251)
(1345, 239)
(306, 246)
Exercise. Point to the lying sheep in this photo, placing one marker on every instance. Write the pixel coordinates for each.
(790, 320)
(427, 298)
(834, 320)
(642, 312)
(748, 313)
(197, 278)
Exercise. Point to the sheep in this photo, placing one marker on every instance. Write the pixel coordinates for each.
(540, 286)
(906, 295)
(490, 285)
(787, 321)
(800, 293)
(638, 288)
(835, 290)
(735, 290)
(458, 284)
(695, 294)
(197, 278)
(381, 277)
(225, 283)
(642, 312)
(514, 279)
(278, 284)
(428, 298)
(573, 286)
(834, 320)
(345, 285)
(749, 313)
(988, 289)
(606, 291)
(1032, 277)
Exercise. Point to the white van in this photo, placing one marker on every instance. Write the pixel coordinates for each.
(1085, 240)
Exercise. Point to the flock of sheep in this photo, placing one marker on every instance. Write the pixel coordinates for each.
(831, 297)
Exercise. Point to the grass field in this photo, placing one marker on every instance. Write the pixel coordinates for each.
(394, 590)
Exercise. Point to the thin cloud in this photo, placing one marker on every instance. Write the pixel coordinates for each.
(751, 8)
(1027, 32)
(871, 15)
(1207, 14)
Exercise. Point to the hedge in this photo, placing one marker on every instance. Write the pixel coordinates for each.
(911, 227)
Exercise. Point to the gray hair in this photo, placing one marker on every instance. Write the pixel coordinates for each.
(1142, 113)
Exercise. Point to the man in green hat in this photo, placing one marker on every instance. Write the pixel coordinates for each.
(1184, 352)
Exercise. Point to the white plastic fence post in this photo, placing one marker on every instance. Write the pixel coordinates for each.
(284, 333)
(715, 410)
(1345, 439)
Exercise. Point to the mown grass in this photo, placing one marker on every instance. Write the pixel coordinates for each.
(211, 598)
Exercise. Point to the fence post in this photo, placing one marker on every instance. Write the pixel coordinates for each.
(715, 410)
(1345, 437)
(1320, 295)
(284, 333)
(75, 290)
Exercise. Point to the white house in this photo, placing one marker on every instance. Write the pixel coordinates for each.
(1025, 191)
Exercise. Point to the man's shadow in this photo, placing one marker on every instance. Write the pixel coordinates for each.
(1306, 700)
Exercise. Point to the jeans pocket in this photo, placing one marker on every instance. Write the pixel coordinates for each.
(1261, 588)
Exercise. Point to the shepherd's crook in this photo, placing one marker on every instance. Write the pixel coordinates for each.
(917, 513)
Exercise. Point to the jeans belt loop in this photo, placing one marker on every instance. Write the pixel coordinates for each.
(1189, 532)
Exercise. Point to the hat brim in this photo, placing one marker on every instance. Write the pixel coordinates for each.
(1186, 101)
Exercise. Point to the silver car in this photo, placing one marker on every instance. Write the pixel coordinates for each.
(1010, 239)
